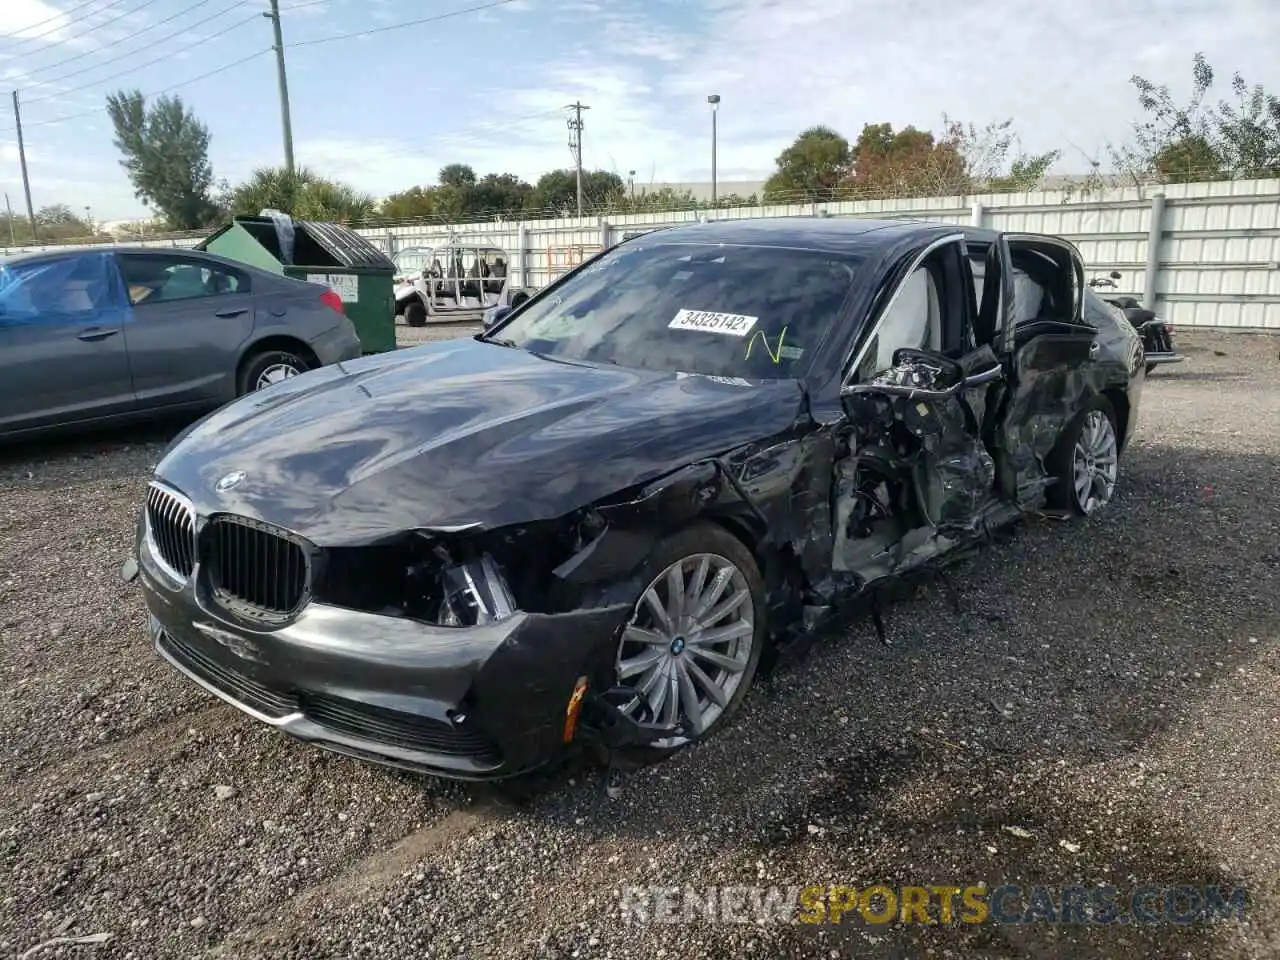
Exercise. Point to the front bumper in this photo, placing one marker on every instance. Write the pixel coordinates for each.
(1159, 359)
(476, 703)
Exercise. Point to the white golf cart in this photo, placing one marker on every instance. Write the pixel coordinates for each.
(455, 282)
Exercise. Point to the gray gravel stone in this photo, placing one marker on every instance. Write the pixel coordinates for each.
(1104, 707)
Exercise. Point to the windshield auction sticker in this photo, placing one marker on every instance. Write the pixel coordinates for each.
(705, 321)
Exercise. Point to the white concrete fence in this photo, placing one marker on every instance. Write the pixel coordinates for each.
(1200, 254)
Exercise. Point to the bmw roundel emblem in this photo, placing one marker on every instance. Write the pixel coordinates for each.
(229, 481)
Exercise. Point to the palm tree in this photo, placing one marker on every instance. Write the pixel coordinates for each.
(303, 194)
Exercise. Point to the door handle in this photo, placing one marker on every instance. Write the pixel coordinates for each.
(1093, 349)
(94, 334)
(231, 312)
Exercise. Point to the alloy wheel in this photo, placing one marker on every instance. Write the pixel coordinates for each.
(276, 373)
(687, 645)
(1095, 462)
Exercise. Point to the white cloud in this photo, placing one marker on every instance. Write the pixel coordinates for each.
(645, 70)
(29, 20)
(783, 65)
(1061, 73)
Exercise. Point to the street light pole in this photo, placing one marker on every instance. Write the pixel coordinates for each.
(714, 100)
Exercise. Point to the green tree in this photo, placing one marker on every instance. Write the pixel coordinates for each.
(906, 163)
(659, 200)
(166, 153)
(813, 165)
(303, 194)
(1198, 141)
(1249, 130)
(986, 154)
(1175, 141)
(500, 193)
(557, 190)
(416, 202)
(1187, 160)
(55, 222)
(457, 175)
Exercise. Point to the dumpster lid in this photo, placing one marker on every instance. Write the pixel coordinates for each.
(345, 245)
(339, 244)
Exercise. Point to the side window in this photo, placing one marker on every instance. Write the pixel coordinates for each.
(164, 279)
(73, 289)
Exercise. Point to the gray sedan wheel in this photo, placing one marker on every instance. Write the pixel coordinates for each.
(269, 368)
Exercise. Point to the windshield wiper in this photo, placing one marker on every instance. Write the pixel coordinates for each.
(501, 341)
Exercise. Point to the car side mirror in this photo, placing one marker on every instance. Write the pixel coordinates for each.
(494, 315)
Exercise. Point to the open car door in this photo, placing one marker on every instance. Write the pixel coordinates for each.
(1047, 351)
(918, 478)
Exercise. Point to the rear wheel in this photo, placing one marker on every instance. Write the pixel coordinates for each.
(268, 368)
(415, 314)
(518, 299)
(1085, 464)
(697, 629)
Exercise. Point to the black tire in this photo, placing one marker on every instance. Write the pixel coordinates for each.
(1061, 460)
(518, 299)
(415, 314)
(256, 365)
(1150, 367)
(714, 539)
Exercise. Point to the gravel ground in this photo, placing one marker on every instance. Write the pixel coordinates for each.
(1109, 689)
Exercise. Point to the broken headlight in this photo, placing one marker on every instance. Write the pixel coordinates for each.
(474, 593)
(456, 579)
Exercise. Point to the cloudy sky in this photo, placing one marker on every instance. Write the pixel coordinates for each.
(387, 106)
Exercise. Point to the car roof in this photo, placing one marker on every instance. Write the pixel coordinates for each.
(60, 252)
(830, 234)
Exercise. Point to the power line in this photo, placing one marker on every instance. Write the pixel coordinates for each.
(142, 66)
(162, 90)
(134, 52)
(407, 23)
(408, 149)
(67, 14)
(57, 16)
(92, 27)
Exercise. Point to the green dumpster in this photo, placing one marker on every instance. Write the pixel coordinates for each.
(324, 253)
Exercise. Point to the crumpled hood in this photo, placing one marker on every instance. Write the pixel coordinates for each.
(460, 433)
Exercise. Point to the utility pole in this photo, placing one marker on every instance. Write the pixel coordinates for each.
(274, 17)
(13, 240)
(575, 144)
(22, 160)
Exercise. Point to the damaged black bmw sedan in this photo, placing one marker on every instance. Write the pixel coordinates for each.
(586, 524)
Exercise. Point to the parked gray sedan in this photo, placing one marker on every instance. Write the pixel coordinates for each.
(94, 336)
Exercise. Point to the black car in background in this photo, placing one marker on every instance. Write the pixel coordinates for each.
(585, 524)
(94, 336)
